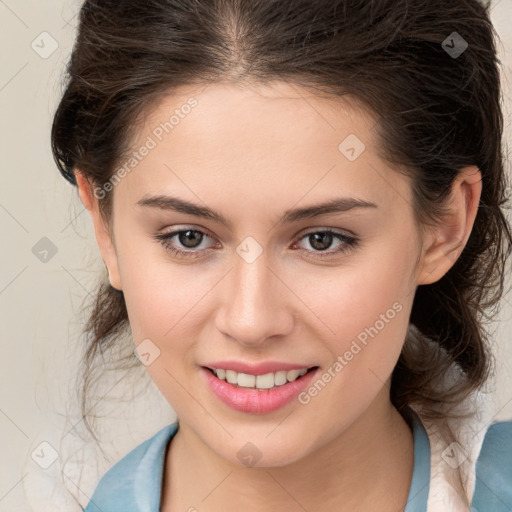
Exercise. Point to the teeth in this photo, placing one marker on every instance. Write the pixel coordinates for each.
(280, 378)
(246, 381)
(267, 381)
(231, 376)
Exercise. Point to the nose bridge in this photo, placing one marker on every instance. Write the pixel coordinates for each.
(255, 307)
(252, 282)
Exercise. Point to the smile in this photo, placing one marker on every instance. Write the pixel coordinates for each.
(267, 381)
(258, 394)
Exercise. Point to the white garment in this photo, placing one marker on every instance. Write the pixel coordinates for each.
(449, 491)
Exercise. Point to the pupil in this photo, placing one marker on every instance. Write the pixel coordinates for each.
(324, 238)
(185, 238)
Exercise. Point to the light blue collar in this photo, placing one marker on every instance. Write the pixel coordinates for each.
(420, 483)
(149, 476)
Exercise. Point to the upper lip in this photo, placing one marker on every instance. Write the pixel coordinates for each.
(256, 369)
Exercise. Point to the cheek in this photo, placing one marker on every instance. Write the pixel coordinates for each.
(357, 295)
(366, 309)
(161, 296)
(165, 307)
(162, 304)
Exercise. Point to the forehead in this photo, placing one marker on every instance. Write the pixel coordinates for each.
(276, 142)
(278, 113)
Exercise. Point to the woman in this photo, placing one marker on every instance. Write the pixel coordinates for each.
(299, 207)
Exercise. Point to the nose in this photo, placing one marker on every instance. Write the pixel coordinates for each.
(257, 304)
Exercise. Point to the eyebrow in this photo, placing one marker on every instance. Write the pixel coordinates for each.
(334, 205)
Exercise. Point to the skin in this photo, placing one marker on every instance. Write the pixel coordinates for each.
(251, 153)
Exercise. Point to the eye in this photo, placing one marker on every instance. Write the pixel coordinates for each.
(319, 240)
(189, 238)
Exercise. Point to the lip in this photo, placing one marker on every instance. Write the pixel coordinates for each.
(256, 401)
(256, 369)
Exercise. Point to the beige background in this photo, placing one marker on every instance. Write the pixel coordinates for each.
(40, 302)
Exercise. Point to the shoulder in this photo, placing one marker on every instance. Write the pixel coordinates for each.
(134, 478)
(493, 485)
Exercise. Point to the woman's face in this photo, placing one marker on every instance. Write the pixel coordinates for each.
(260, 280)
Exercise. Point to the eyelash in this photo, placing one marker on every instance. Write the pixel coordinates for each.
(349, 243)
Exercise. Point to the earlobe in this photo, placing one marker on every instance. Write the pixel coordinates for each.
(103, 237)
(447, 240)
(116, 284)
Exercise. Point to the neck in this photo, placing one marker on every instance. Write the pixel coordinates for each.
(367, 467)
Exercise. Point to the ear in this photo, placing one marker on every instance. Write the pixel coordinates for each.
(103, 237)
(446, 241)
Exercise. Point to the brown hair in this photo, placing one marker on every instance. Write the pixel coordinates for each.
(436, 113)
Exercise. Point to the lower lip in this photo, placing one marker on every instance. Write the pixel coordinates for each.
(255, 401)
